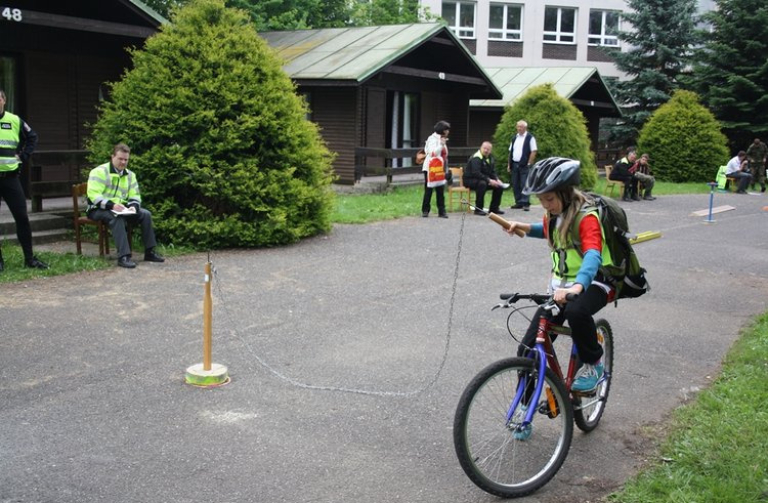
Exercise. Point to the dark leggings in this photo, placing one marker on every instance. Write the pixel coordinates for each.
(579, 314)
(426, 203)
(13, 194)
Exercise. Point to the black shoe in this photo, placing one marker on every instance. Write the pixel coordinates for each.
(517, 207)
(741, 191)
(152, 256)
(125, 261)
(527, 208)
(425, 214)
(35, 263)
(649, 198)
(443, 215)
(497, 211)
(762, 189)
(480, 212)
(626, 199)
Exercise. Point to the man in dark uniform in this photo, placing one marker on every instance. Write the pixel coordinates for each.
(17, 142)
(480, 175)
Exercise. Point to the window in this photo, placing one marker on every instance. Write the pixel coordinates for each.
(402, 123)
(8, 82)
(460, 17)
(603, 28)
(560, 25)
(505, 22)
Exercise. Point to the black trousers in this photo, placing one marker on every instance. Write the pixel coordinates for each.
(578, 314)
(426, 203)
(480, 187)
(118, 226)
(13, 195)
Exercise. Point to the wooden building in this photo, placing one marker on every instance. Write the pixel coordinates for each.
(376, 92)
(582, 86)
(55, 60)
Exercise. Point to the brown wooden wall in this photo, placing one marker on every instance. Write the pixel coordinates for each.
(482, 125)
(335, 110)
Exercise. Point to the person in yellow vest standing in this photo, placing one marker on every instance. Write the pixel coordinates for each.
(570, 212)
(113, 197)
(17, 142)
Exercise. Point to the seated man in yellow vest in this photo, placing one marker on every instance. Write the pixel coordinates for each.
(113, 197)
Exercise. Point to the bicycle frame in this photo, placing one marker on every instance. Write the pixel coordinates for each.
(544, 354)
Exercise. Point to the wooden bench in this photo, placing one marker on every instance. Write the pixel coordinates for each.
(40, 190)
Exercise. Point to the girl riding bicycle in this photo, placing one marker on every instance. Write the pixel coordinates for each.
(576, 271)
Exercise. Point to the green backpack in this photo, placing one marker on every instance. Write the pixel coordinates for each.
(625, 275)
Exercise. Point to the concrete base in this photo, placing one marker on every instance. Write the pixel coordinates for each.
(197, 376)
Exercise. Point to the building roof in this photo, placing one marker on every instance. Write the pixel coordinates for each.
(148, 11)
(357, 54)
(582, 85)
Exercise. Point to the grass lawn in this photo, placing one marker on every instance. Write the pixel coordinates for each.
(405, 201)
(717, 446)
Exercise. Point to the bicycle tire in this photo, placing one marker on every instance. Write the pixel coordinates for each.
(588, 408)
(484, 441)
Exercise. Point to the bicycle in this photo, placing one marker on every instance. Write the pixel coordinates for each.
(512, 429)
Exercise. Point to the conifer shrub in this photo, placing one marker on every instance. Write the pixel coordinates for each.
(219, 140)
(559, 127)
(684, 140)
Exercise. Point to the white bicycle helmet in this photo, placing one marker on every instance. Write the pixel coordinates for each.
(551, 174)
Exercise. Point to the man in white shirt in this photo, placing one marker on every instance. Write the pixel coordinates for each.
(736, 169)
(522, 154)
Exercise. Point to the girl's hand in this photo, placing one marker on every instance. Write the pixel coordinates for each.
(518, 228)
(561, 293)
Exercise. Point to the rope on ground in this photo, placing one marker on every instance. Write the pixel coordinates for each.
(342, 389)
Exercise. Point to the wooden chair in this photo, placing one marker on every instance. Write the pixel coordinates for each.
(460, 189)
(79, 191)
(611, 183)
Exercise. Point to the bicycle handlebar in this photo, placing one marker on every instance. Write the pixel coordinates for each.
(538, 298)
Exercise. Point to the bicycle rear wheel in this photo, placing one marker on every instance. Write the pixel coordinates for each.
(588, 408)
(485, 441)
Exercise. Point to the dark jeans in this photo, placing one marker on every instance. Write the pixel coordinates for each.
(426, 203)
(579, 314)
(13, 194)
(744, 180)
(118, 226)
(519, 176)
(630, 184)
(480, 187)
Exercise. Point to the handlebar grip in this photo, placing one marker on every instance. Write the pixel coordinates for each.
(571, 296)
(496, 218)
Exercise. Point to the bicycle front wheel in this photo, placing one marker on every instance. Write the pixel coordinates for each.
(490, 451)
(588, 407)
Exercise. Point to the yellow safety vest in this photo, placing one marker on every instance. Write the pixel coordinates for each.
(10, 134)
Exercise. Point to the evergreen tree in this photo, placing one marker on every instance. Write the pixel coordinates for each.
(684, 140)
(384, 12)
(220, 143)
(660, 47)
(559, 127)
(731, 73)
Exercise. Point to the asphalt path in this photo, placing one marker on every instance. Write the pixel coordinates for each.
(348, 353)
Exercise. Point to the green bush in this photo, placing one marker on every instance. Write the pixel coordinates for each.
(684, 141)
(220, 143)
(559, 127)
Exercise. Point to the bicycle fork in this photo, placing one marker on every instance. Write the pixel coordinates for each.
(540, 365)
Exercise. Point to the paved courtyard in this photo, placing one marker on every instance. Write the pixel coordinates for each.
(348, 353)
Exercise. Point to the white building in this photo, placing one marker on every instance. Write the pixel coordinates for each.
(536, 33)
